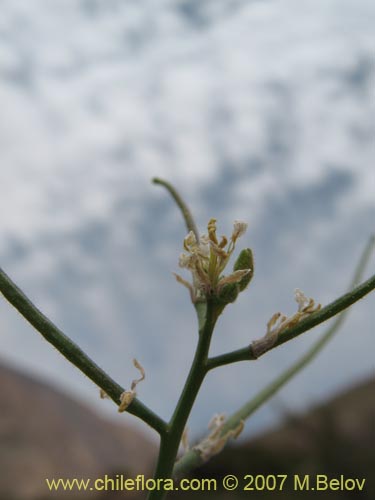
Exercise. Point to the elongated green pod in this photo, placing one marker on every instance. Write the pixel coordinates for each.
(245, 261)
(230, 291)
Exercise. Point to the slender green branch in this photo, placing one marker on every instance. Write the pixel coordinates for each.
(186, 213)
(190, 225)
(170, 442)
(73, 353)
(193, 459)
(327, 312)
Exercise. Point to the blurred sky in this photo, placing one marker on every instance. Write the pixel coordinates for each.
(255, 110)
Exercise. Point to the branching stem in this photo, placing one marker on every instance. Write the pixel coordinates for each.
(170, 442)
(207, 312)
(193, 459)
(327, 312)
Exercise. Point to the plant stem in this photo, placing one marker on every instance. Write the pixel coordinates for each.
(193, 459)
(73, 353)
(170, 442)
(327, 312)
(186, 213)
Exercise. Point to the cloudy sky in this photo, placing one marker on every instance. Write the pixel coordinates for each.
(255, 110)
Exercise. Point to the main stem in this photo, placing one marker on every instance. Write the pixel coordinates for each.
(170, 441)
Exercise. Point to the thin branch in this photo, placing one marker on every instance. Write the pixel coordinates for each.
(327, 312)
(170, 442)
(73, 353)
(186, 213)
(193, 459)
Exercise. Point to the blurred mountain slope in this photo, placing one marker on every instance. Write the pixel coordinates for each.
(45, 434)
(336, 438)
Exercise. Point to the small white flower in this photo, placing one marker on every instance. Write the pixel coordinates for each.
(185, 260)
(204, 243)
(239, 228)
(207, 258)
(190, 241)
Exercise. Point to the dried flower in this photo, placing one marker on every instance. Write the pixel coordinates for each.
(279, 322)
(216, 440)
(103, 394)
(127, 396)
(185, 440)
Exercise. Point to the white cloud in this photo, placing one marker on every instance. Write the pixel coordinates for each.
(251, 112)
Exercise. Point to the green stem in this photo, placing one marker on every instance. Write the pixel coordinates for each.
(73, 353)
(186, 213)
(327, 312)
(170, 442)
(192, 458)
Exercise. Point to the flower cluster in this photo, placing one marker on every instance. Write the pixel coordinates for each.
(206, 258)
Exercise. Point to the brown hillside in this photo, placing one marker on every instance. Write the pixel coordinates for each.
(46, 434)
(336, 438)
